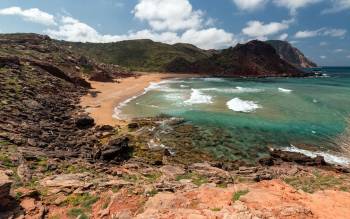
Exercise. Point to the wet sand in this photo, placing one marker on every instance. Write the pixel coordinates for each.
(110, 95)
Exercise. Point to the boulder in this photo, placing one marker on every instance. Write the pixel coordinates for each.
(84, 122)
(117, 150)
(106, 128)
(5, 187)
(101, 76)
(79, 180)
(9, 61)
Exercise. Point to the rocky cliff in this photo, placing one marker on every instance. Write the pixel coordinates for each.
(253, 59)
(291, 54)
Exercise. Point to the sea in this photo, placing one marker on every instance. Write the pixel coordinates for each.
(306, 115)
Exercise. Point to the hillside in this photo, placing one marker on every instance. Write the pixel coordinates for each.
(253, 59)
(55, 162)
(141, 55)
(291, 54)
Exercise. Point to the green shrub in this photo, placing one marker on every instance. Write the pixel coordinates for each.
(83, 200)
(77, 212)
(237, 195)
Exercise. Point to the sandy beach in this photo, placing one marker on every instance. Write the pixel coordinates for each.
(110, 95)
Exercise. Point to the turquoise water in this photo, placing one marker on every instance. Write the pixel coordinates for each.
(305, 113)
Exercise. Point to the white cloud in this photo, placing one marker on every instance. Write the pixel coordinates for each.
(170, 15)
(260, 30)
(337, 6)
(171, 21)
(33, 15)
(71, 29)
(335, 32)
(294, 5)
(323, 57)
(249, 5)
(321, 32)
(209, 38)
(307, 33)
(283, 36)
(338, 50)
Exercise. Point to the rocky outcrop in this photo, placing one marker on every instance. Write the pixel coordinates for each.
(253, 59)
(9, 61)
(55, 71)
(101, 76)
(297, 158)
(116, 150)
(291, 54)
(5, 187)
(84, 122)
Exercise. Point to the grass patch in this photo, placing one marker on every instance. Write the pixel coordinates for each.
(55, 217)
(196, 178)
(3, 142)
(316, 182)
(77, 212)
(237, 195)
(84, 200)
(152, 193)
(153, 177)
(222, 185)
(6, 161)
(106, 203)
(130, 178)
(216, 209)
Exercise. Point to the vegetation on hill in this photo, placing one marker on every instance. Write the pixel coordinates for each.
(253, 59)
(140, 55)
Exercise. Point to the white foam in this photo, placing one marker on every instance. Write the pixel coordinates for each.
(283, 90)
(118, 109)
(239, 105)
(213, 79)
(152, 86)
(329, 158)
(248, 90)
(236, 90)
(197, 97)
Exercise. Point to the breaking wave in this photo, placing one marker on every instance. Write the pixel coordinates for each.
(236, 90)
(245, 106)
(329, 158)
(213, 79)
(197, 97)
(283, 90)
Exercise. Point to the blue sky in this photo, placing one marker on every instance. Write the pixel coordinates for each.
(320, 28)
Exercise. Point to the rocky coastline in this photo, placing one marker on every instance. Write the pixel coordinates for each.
(56, 163)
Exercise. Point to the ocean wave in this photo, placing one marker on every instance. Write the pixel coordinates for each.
(236, 90)
(174, 96)
(197, 97)
(283, 90)
(153, 86)
(118, 110)
(329, 158)
(239, 105)
(160, 86)
(213, 79)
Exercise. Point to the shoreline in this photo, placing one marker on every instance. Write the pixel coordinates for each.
(110, 95)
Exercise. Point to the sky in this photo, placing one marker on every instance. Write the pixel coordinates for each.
(319, 28)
